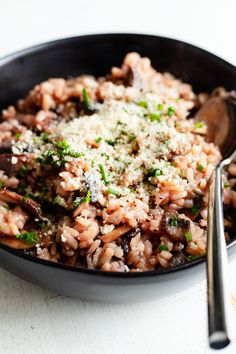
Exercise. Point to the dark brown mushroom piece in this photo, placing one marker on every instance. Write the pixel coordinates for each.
(6, 146)
(175, 225)
(125, 240)
(28, 204)
(11, 163)
(177, 259)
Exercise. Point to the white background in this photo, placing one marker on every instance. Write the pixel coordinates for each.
(34, 320)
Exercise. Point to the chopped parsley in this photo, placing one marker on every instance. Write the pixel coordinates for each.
(226, 185)
(197, 204)
(87, 198)
(105, 155)
(200, 167)
(142, 104)
(154, 172)
(80, 200)
(132, 137)
(86, 99)
(45, 137)
(181, 173)
(98, 140)
(163, 248)
(1, 185)
(23, 170)
(188, 236)
(195, 210)
(191, 258)
(160, 107)
(111, 142)
(42, 224)
(57, 156)
(173, 221)
(155, 117)
(58, 200)
(170, 111)
(123, 132)
(113, 191)
(199, 125)
(103, 173)
(28, 237)
(17, 135)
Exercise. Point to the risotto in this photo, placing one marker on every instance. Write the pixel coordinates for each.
(109, 173)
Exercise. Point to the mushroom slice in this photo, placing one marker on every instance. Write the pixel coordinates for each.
(175, 225)
(177, 259)
(28, 204)
(11, 163)
(6, 146)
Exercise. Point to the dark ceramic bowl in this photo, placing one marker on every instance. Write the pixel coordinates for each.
(95, 55)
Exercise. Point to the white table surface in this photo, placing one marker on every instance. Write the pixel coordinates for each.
(34, 320)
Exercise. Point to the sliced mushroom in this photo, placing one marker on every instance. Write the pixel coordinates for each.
(15, 243)
(28, 204)
(125, 243)
(175, 225)
(6, 146)
(177, 259)
(115, 234)
(11, 163)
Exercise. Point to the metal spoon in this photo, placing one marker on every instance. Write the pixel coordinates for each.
(220, 115)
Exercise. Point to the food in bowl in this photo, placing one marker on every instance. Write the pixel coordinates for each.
(109, 173)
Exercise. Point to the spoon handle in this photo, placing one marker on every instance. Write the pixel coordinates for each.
(216, 265)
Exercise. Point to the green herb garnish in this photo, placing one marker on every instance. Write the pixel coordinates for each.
(57, 156)
(17, 135)
(155, 117)
(226, 185)
(28, 237)
(103, 173)
(173, 221)
(154, 172)
(86, 99)
(142, 104)
(106, 155)
(111, 142)
(160, 107)
(195, 210)
(42, 224)
(200, 167)
(45, 137)
(132, 137)
(170, 111)
(199, 125)
(98, 140)
(188, 236)
(163, 248)
(58, 200)
(191, 258)
(79, 200)
(197, 204)
(23, 170)
(1, 185)
(113, 191)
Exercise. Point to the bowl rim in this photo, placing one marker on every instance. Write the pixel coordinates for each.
(131, 275)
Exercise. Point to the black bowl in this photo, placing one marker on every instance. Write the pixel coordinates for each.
(95, 55)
